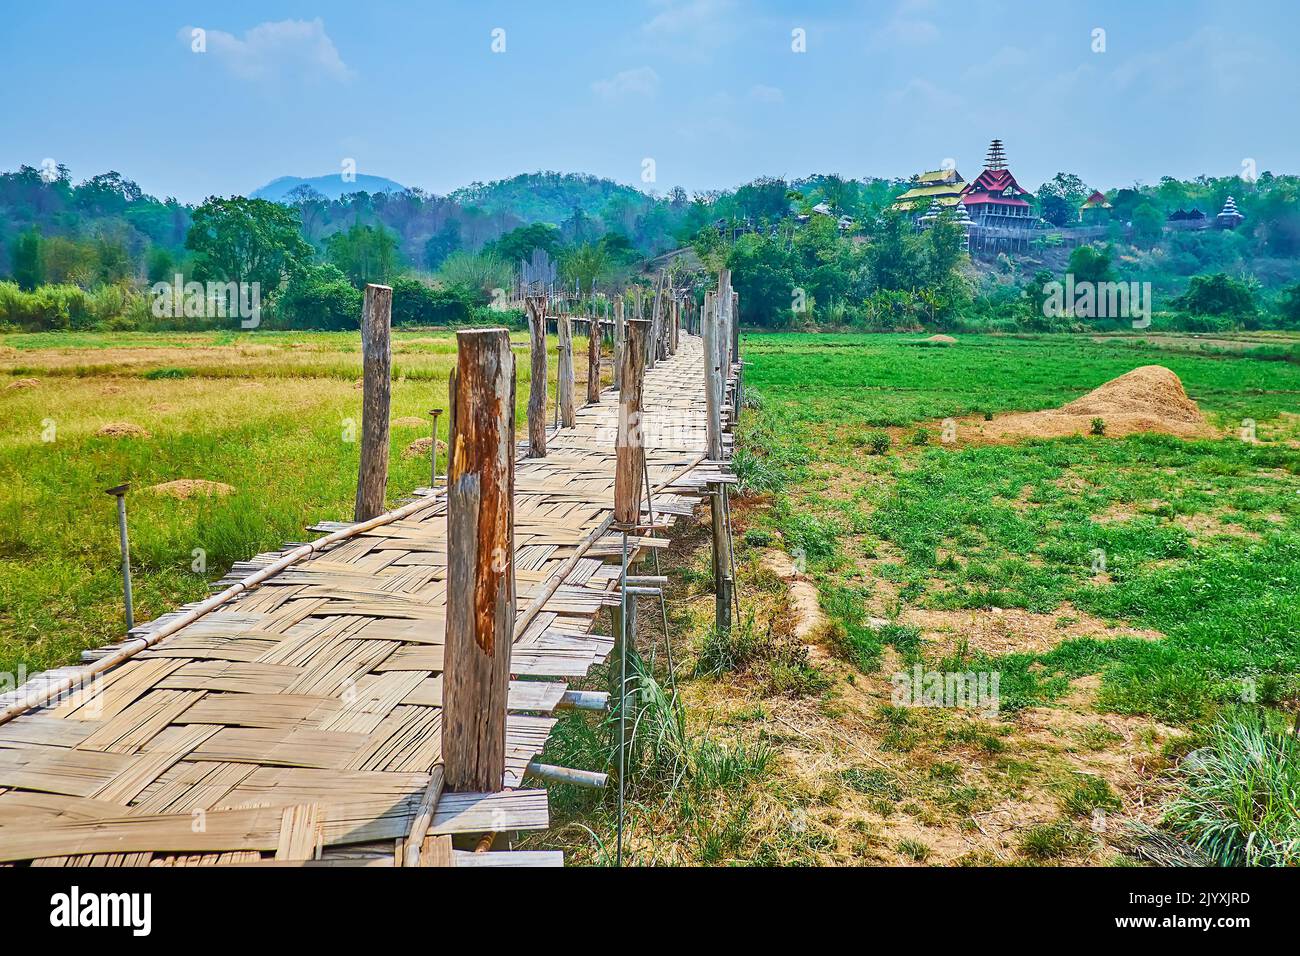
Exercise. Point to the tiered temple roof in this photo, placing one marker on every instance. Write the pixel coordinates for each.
(1229, 217)
(942, 185)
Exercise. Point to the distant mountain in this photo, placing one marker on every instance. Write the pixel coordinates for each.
(331, 187)
(549, 197)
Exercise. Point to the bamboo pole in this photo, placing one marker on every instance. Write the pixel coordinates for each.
(480, 563)
(564, 380)
(712, 373)
(536, 306)
(618, 339)
(593, 359)
(722, 564)
(377, 385)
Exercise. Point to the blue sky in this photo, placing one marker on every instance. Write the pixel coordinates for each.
(711, 90)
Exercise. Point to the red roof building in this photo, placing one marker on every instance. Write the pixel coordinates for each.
(994, 198)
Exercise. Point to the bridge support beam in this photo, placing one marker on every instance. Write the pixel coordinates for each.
(377, 386)
(536, 306)
(480, 562)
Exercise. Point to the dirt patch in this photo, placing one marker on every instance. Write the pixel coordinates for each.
(1147, 399)
(804, 603)
(410, 421)
(23, 383)
(1011, 630)
(122, 430)
(186, 488)
(420, 448)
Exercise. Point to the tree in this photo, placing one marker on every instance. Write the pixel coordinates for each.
(894, 256)
(1217, 294)
(363, 254)
(518, 244)
(1090, 264)
(28, 261)
(319, 297)
(1060, 197)
(247, 240)
(442, 244)
(1148, 223)
(585, 264)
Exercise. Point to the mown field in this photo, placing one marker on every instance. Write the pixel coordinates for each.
(271, 414)
(867, 545)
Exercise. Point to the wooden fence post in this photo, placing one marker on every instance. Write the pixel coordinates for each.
(712, 380)
(537, 386)
(564, 379)
(676, 306)
(617, 333)
(480, 563)
(629, 484)
(377, 388)
(593, 360)
(737, 391)
(722, 582)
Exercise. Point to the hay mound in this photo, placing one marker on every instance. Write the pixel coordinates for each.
(185, 488)
(420, 448)
(1147, 399)
(122, 430)
(410, 421)
(940, 340)
(24, 383)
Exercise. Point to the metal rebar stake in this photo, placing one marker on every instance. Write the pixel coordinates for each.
(119, 491)
(622, 698)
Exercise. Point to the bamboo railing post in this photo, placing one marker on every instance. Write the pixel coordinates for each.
(629, 479)
(618, 340)
(722, 581)
(738, 390)
(593, 359)
(712, 373)
(377, 387)
(480, 562)
(536, 306)
(676, 307)
(564, 379)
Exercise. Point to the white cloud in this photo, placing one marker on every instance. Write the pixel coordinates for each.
(641, 81)
(766, 94)
(678, 16)
(906, 27)
(282, 48)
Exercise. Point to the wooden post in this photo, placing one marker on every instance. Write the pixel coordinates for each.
(722, 582)
(480, 563)
(377, 388)
(564, 380)
(618, 341)
(712, 383)
(629, 470)
(723, 304)
(536, 306)
(676, 326)
(737, 391)
(629, 484)
(593, 360)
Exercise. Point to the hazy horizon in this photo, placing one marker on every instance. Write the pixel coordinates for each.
(715, 92)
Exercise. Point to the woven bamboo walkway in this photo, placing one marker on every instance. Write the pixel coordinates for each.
(300, 722)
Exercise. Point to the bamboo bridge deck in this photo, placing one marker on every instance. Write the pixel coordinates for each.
(300, 722)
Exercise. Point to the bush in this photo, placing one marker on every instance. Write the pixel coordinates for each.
(319, 297)
(1240, 803)
(877, 442)
(1217, 295)
(417, 303)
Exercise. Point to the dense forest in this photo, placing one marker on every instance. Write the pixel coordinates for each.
(823, 251)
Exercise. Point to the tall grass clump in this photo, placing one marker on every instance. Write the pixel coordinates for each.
(1240, 803)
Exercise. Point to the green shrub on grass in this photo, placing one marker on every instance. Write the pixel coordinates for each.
(1240, 802)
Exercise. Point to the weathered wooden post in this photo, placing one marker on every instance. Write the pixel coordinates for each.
(629, 478)
(433, 449)
(377, 387)
(712, 378)
(619, 332)
(536, 306)
(676, 326)
(722, 581)
(480, 562)
(593, 359)
(564, 379)
(737, 392)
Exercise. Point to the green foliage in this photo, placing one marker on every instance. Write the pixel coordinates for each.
(518, 244)
(1218, 294)
(1091, 264)
(247, 240)
(364, 254)
(419, 303)
(1240, 799)
(1097, 426)
(318, 297)
(28, 263)
(476, 275)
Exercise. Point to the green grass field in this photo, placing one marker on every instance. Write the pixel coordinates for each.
(1201, 539)
(271, 414)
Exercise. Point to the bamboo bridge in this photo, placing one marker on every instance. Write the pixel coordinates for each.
(381, 695)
